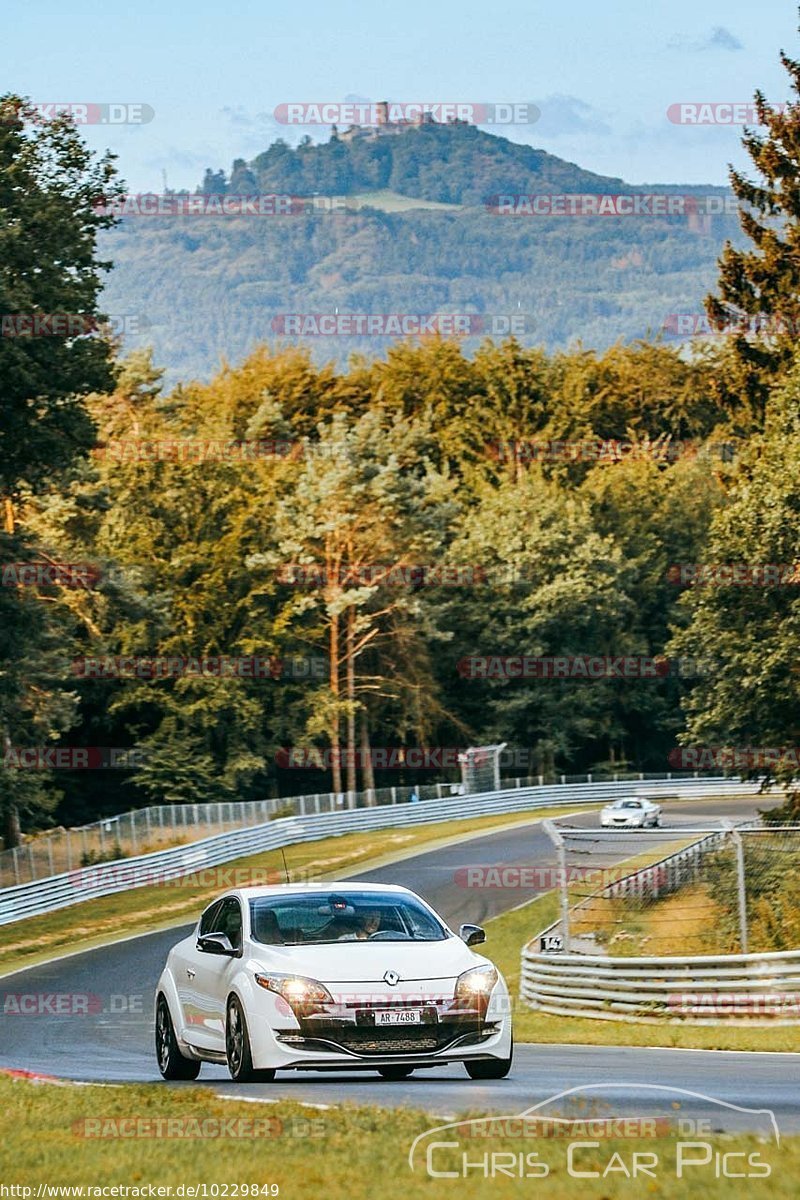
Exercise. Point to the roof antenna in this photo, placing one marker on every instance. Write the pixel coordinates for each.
(285, 868)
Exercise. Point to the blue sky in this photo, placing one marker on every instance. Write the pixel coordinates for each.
(602, 75)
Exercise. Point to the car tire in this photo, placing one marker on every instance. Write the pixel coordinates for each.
(171, 1063)
(237, 1048)
(493, 1068)
(395, 1073)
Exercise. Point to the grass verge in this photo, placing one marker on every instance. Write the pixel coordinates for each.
(69, 1136)
(140, 910)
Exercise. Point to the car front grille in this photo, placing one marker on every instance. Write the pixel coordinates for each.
(362, 1037)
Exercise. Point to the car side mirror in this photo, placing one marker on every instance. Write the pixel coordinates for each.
(473, 935)
(216, 943)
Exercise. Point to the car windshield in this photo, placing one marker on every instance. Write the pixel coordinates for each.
(629, 804)
(326, 917)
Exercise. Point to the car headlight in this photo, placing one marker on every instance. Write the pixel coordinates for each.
(295, 989)
(476, 984)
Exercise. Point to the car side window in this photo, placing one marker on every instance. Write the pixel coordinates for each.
(229, 921)
(209, 919)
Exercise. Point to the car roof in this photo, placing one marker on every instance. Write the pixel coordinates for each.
(327, 887)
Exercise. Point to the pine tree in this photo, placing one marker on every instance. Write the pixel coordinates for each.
(759, 287)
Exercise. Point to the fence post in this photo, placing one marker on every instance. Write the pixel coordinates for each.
(133, 832)
(561, 848)
(394, 795)
(50, 855)
(69, 851)
(740, 886)
(30, 860)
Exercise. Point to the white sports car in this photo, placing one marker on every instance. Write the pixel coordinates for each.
(636, 813)
(338, 976)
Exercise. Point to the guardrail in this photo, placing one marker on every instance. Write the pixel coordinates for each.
(73, 887)
(163, 826)
(761, 989)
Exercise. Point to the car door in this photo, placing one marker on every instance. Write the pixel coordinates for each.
(213, 972)
(185, 965)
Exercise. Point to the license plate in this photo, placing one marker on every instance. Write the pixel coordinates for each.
(398, 1016)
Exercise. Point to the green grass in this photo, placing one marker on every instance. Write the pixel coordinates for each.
(139, 910)
(341, 1153)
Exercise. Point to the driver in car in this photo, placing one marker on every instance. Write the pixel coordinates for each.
(360, 927)
(370, 923)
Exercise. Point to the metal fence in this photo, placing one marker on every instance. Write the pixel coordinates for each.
(145, 830)
(734, 888)
(82, 883)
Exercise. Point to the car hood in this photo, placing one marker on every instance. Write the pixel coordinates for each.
(368, 962)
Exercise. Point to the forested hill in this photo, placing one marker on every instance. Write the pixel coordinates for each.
(452, 164)
(416, 238)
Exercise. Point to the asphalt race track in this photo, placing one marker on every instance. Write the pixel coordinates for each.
(114, 1042)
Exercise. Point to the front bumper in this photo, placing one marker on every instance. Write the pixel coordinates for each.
(344, 1035)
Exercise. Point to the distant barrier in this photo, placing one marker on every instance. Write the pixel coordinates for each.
(73, 887)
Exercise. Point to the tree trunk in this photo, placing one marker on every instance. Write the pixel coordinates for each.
(12, 834)
(350, 669)
(366, 759)
(336, 750)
